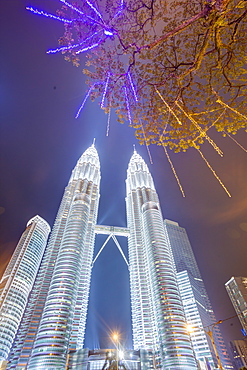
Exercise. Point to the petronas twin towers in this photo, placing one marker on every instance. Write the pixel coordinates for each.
(55, 317)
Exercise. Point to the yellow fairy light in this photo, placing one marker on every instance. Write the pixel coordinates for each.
(145, 139)
(173, 170)
(167, 105)
(232, 109)
(235, 141)
(202, 132)
(214, 173)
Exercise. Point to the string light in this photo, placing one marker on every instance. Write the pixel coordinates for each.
(105, 90)
(173, 170)
(146, 144)
(72, 7)
(84, 101)
(108, 122)
(235, 141)
(127, 104)
(79, 11)
(132, 86)
(40, 12)
(213, 171)
(70, 47)
(108, 33)
(169, 108)
(232, 109)
(94, 9)
(120, 9)
(89, 47)
(202, 132)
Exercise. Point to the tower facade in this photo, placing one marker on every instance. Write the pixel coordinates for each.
(239, 352)
(198, 310)
(237, 290)
(55, 318)
(157, 314)
(18, 278)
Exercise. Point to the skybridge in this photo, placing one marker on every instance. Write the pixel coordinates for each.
(112, 232)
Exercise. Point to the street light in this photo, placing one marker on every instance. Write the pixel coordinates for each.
(190, 329)
(115, 338)
(209, 332)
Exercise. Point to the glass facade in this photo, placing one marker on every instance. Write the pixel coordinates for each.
(198, 310)
(17, 280)
(55, 318)
(106, 359)
(189, 293)
(51, 333)
(237, 290)
(157, 313)
(239, 352)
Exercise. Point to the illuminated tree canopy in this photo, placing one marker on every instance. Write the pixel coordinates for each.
(172, 69)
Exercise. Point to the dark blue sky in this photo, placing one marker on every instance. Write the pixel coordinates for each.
(41, 141)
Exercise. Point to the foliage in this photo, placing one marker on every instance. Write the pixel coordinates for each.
(183, 61)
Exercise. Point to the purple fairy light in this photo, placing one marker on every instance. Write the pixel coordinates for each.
(105, 90)
(72, 7)
(108, 33)
(132, 86)
(127, 104)
(79, 11)
(94, 9)
(84, 101)
(40, 12)
(69, 47)
(119, 10)
(88, 47)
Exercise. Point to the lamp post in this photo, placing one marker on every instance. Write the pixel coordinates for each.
(115, 339)
(209, 332)
(190, 330)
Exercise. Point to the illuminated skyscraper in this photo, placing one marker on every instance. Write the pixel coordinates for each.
(237, 290)
(198, 310)
(239, 351)
(157, 313)
(18, 278)
(55, 318)
(53, 324)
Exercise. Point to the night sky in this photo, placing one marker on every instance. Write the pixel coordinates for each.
(41, 142)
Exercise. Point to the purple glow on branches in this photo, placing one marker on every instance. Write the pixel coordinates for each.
(72, 7)
(120, 9)
(108, 122)
(94, 9)
(105, 90)
(62, 48)
(132, 86)
(40, 12)
(84, 101)
(69, 47)
(108, 33)
(78, 11)
(127, 105)
(88, 47)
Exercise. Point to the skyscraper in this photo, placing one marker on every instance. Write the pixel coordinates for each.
(239, 351)
(157, 312)
(55, 318)
(53, 324)
(198, 310)
(18, 278)
(237, 290)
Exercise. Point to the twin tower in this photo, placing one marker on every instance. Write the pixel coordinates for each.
(55, 317)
